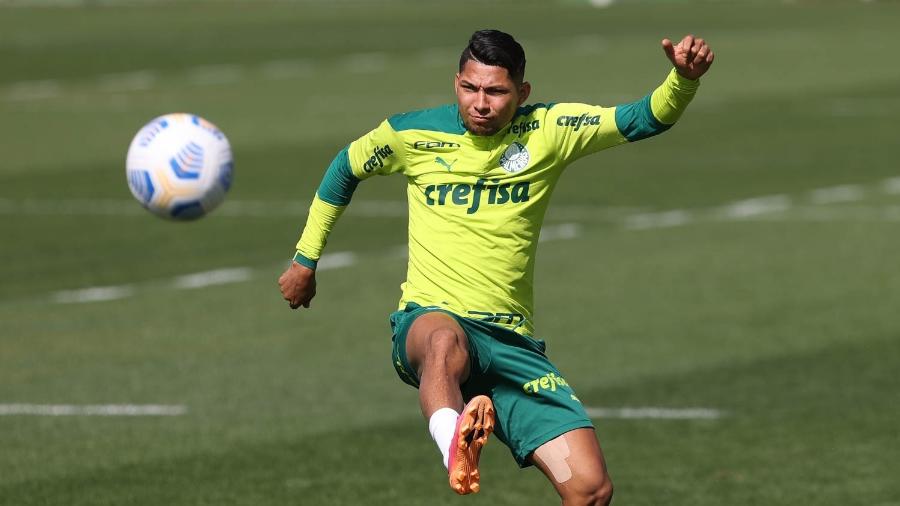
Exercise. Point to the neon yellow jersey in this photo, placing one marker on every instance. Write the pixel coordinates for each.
(477, 203)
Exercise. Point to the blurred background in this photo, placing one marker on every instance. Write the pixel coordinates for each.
(724, 298)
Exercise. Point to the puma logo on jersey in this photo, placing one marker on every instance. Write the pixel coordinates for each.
(444, 163)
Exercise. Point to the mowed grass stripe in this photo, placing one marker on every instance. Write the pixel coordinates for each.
(329, 261)
(92, 410)
(655, 413)
(739, 209)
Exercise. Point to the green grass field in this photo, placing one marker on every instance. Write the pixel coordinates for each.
(745, 261)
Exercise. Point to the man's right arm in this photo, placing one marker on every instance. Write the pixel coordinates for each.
(329, 202)
(378, 152)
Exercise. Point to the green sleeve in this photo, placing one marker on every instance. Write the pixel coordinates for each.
(658, 111)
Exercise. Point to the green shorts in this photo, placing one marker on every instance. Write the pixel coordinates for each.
(533, 402)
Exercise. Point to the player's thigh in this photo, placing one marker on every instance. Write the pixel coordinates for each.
(436, 332)
(575, 465)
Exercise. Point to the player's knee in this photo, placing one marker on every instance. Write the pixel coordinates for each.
(602, 493)
(594, 492)
(445, 347)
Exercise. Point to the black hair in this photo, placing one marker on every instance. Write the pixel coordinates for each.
(496, 48)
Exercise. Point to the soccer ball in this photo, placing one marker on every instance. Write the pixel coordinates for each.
(179, 166)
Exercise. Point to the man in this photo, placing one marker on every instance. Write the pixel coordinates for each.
(480, 174)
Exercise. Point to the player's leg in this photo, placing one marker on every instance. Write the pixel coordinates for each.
(575, 466)
(437, 348)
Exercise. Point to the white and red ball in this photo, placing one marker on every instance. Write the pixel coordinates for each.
(179, 166)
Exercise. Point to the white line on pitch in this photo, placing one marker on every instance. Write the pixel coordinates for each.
(862, 107)
(364, 63)
(656, 413)
(835, 214)
(261, 209)
(837, 194)
(559, 232)
(128, 81)
(203, 279)
(437, 56)
(93, 294)
(760, 205)
(33, 90)
(891, 185)
(287, 69)
(215, 277)
(206, 75)
(70, 207)
(602, 4)
(336, 260)
(662, 219)
(92, 410)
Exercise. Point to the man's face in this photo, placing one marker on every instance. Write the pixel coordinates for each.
(488, 97)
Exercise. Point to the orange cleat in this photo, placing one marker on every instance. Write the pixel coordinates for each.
(473, 427)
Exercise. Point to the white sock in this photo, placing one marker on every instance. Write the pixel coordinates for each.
(441, 425)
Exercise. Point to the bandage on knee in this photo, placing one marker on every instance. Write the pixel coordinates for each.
(554, 454)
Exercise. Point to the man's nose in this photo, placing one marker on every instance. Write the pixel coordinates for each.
(481, 103)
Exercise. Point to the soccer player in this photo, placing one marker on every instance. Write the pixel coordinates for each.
(480, 173)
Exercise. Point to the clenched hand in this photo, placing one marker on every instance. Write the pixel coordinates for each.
(298, 285)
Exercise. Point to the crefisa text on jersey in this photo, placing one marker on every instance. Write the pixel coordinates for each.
(578, 121)
(379, 154)
(524, 127)
(459, 193)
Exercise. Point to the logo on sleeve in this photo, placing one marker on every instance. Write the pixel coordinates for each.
(515, 158)
(577, 122)
(379, 155)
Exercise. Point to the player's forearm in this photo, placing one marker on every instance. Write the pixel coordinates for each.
(321, 220)
(672, 97)
(658, 111)
(331, 199)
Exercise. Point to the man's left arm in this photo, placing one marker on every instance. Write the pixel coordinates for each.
(658, 111)
(583, 129)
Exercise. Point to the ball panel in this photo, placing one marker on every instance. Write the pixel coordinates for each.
(188, 162)
(187, 211)
(141, 186)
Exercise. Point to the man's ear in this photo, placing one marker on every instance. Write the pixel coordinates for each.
(524, 91)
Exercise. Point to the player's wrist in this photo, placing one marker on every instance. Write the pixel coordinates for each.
(684, 80)
(305, 261)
